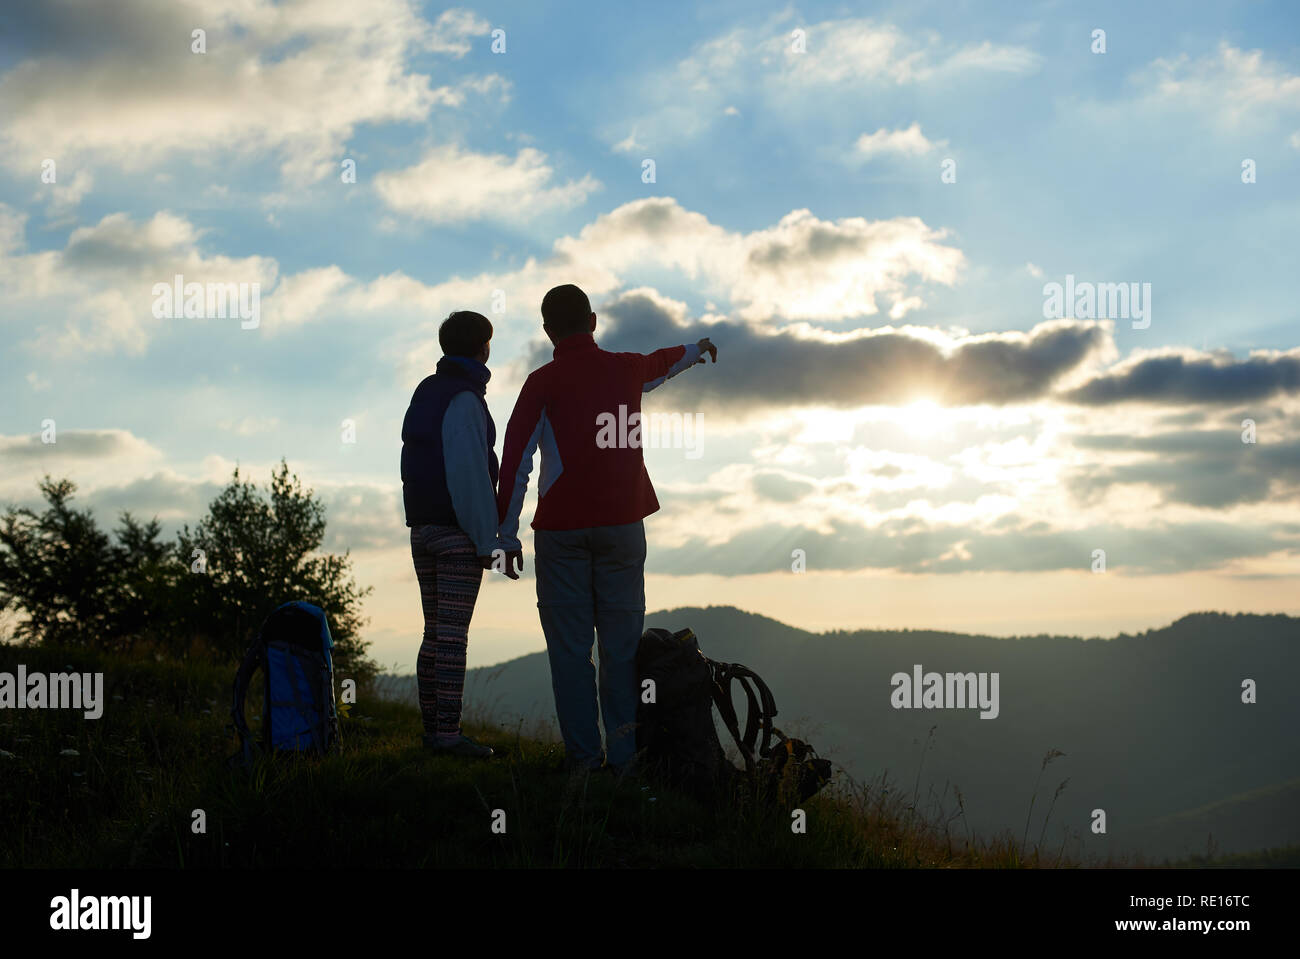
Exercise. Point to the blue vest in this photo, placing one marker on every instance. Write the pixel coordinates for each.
(424, 472)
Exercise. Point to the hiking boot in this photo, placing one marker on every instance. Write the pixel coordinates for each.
(620, 771)
(568, 764)
(464, 747)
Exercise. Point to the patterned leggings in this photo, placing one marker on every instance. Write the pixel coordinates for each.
(449, 576)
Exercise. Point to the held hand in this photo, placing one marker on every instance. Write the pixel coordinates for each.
(513, 558)
(706, 346)
(495, 562)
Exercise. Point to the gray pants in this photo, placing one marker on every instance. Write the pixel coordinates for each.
(593, 581)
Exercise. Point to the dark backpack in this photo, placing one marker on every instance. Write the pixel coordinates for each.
(677, 739)
(298, 713)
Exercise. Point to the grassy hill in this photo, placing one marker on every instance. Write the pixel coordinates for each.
(1151, 727)
(123, 790)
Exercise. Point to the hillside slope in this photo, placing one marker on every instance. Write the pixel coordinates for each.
(1151, 726)
(127, 789)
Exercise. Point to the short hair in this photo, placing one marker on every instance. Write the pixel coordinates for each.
(464, 332)
(566, 310)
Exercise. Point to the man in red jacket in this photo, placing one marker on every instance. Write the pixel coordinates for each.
(592, 495)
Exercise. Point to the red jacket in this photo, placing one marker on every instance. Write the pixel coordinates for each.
(570, 408)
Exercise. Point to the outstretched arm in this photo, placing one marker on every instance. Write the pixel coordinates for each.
(663, 365)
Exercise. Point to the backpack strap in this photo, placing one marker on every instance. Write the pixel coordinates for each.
(769, 714)
(761, 708)
(303, 708)
(720, 690)
(751, 707)
(253, 658)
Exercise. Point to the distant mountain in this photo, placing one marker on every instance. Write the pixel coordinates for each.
(1246, 821)
(1152, 727)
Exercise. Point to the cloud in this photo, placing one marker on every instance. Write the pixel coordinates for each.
(909, 142)
(1232, 84)
(304, 296)
(118, 83)
(1187, 376)
(73, 444)
(13, 228)
(249, 425)
(358, 516)
(1240, 97)
(64, 196)
(758, 65)
(803, 267)
(453, 185)
(88, 456)
(857, 51)
(780, 488)
(796, 366)
(1211, 469)
(629, 144)
(363, 516)
(989, 57)
(173, 499)
(100, 284)
(452, 30)
(913, 546)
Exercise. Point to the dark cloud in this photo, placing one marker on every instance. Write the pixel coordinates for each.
(781, 488)
(1192, 442)
(86, 29)
(81, 444)
(115, 245)
(1208, 468)
(822, 241)
(361, 517)
(174, 501)
(1186, 418)
(157, 495)
(896, 366)
(785, 369)
(1193, 379)
(774, 486)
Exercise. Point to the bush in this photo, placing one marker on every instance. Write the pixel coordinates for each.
(203, 596)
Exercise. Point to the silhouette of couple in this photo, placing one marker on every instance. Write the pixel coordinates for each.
(589, 536)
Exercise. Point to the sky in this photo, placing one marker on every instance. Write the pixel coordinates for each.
(866, 207)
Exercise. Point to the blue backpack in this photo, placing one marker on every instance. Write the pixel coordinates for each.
(298, 713)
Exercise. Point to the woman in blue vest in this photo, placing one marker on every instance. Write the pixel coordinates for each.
(449, 478)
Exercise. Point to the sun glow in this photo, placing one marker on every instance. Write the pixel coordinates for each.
(922, 418)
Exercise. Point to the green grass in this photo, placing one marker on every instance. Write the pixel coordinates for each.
(1283, 857)
(127, 797)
